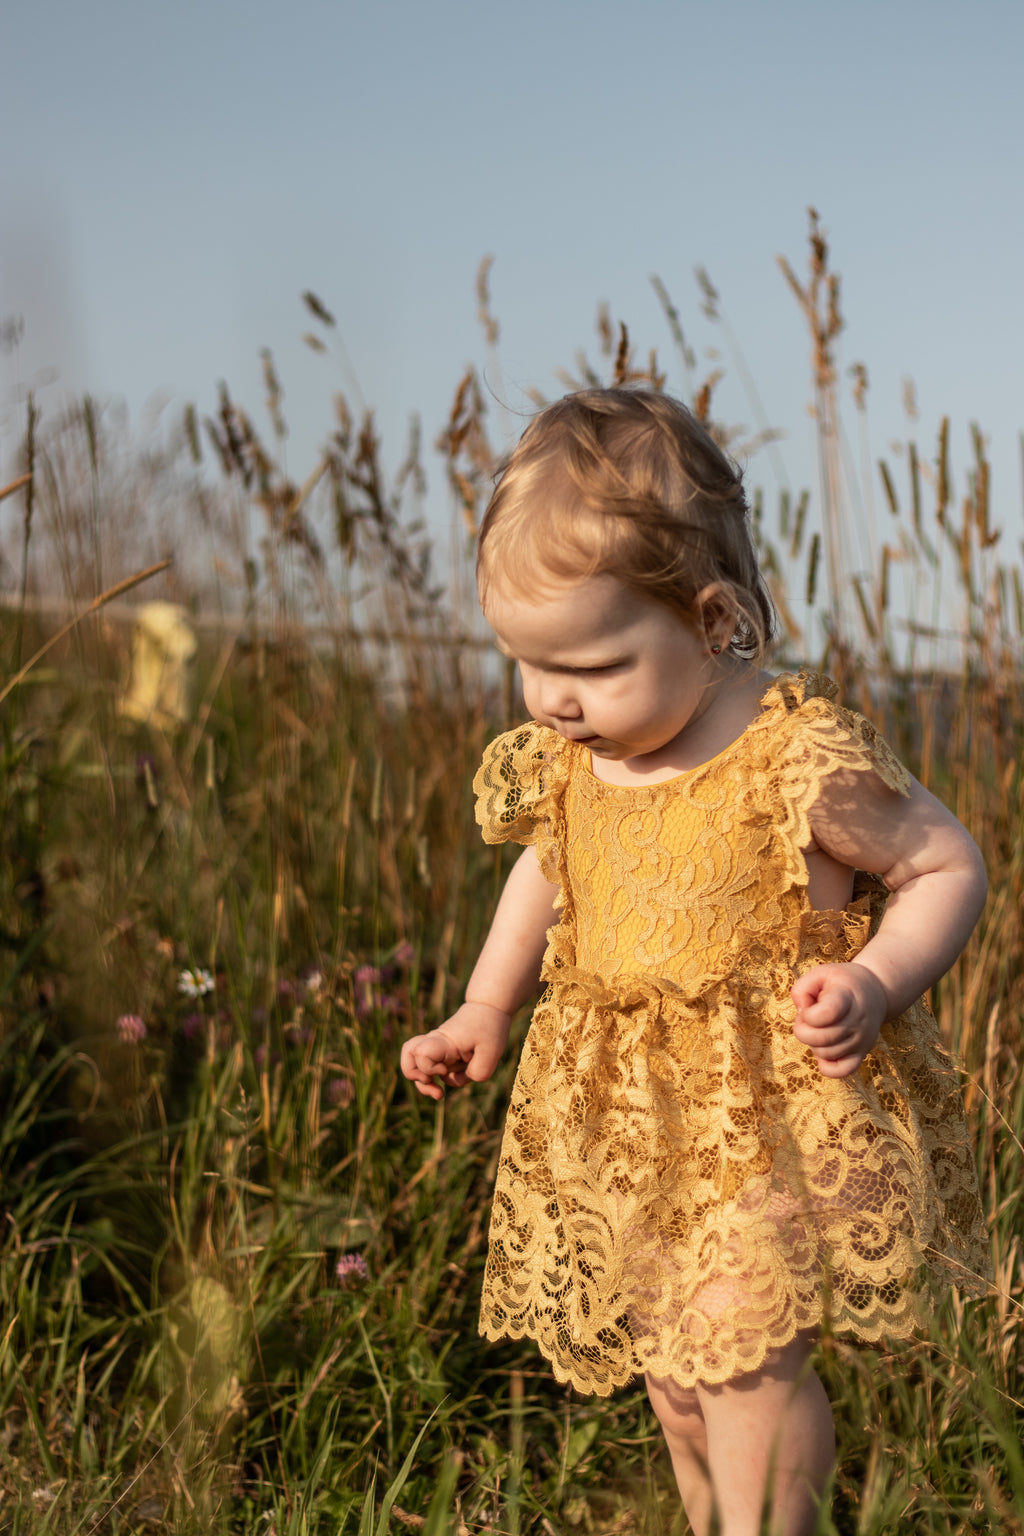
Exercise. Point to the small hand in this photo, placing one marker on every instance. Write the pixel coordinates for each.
(840, 1009)
(466, 1048)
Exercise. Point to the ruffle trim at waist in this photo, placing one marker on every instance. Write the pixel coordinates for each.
(751, 974)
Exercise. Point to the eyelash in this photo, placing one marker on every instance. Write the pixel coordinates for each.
(609, 666)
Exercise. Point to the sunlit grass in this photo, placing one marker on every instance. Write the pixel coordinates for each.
(240, 1259)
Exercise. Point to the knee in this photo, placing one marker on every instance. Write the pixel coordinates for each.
(783, 1370)
(679, 1414)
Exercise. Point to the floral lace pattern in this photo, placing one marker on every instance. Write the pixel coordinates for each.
(680, 1190)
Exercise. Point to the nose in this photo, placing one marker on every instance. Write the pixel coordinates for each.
(553, 695)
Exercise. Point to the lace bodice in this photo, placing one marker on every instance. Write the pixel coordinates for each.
(684, 881)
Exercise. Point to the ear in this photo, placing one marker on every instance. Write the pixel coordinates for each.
(716, 613)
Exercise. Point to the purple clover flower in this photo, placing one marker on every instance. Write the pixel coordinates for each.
(351, 1271)
(366, 980)
(131, 1028)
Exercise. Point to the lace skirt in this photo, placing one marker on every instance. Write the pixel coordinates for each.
(681, 1191)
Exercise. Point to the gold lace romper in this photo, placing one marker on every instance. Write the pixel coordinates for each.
(680, 1189)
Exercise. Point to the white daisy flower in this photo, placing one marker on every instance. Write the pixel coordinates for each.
(196, 982)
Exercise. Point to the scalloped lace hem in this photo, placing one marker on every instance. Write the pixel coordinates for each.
(870, 1326)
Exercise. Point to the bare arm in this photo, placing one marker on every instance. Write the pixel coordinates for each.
(937, 878)
(468, 1046)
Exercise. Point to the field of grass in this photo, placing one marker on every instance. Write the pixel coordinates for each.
(240, 1258)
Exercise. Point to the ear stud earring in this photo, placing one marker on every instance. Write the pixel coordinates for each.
(716, 650)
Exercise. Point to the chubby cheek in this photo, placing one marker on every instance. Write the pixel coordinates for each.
(533, 698)
(530, 698)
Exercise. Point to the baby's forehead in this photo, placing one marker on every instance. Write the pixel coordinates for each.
(507, 594)
(566, 612)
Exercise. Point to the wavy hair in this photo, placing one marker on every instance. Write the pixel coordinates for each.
(628, 483)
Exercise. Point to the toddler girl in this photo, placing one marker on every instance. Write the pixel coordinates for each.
(733, 1117)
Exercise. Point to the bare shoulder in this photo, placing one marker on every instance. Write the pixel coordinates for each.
(861, 822)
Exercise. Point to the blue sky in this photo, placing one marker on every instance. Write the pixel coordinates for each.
(172, 177)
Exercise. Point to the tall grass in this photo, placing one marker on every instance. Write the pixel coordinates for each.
(240, 1259)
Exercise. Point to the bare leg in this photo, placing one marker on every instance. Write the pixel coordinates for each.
(682, 1423)
(767, 1429)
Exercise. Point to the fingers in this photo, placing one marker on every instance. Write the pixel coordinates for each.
(830, 1047)
(428, 1057)
(827, 1039)
(827, 1020)
(806, 988)
(838, 1050)
(839, 1060)
(830, 1004)
(840, 1009)
(432, 1084)
(481, 1064)
(843, 1066)
(434, 1062)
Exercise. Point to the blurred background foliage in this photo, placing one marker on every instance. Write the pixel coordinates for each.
(239, 1259)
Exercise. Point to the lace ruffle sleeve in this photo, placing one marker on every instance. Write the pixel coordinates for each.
(518, 789)
(818, 739)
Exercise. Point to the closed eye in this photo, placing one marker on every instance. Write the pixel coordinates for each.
(607, 666)
(555, 669)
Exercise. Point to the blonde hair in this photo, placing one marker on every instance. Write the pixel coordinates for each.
(628, 483)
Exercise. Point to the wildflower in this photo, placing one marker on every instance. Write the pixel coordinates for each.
(405, 954)
(196, 982)
(131, 1028)
(314, 981)
(192, 1025)
(351, 1270)
(366, 980)
(340, 1092)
